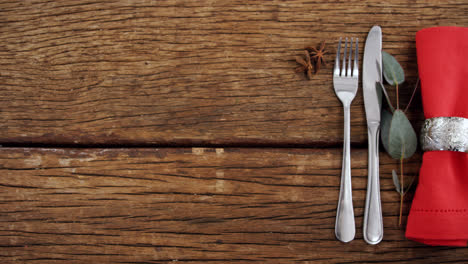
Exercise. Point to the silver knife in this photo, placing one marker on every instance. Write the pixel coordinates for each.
(372, 75)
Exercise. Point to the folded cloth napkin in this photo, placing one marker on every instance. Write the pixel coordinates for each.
(439, 212)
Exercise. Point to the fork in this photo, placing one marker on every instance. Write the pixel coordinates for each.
(345, 82)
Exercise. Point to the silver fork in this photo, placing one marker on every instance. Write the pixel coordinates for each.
(345, 82)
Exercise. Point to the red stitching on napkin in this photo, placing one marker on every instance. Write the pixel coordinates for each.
(460, 211)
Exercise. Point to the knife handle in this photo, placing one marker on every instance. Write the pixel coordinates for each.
(373, 225)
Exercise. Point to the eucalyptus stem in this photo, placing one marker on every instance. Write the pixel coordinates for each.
(397, 98)
(412, 95)
(397, 132)
(402, 193)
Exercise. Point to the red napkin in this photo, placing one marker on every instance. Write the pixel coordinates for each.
(439, 213)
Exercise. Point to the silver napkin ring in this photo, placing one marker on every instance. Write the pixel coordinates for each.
(445, 133)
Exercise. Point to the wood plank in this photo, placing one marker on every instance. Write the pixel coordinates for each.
(180, 72)
(192, 206)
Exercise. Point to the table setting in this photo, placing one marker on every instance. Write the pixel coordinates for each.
(233, 132)
(437, 216)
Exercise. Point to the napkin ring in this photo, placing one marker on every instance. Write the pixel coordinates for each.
(445, 133)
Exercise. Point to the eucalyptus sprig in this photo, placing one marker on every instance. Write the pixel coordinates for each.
(398, 136)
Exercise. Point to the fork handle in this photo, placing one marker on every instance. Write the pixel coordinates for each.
(373, 225)
(344, 226)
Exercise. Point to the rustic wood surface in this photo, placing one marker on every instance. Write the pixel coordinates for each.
(179, 77)
(192, 205)
(190, 72)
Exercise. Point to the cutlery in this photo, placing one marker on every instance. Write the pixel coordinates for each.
(372, 75)
(345, 82)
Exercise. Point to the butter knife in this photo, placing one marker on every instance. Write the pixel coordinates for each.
(372, 75)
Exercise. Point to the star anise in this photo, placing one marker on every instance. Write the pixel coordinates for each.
(306, 65)
(318, 56)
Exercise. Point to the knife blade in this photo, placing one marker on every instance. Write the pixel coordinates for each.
(371, 77)
(372, 73)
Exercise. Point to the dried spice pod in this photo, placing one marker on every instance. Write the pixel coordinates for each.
(306, 64)
(318, 55)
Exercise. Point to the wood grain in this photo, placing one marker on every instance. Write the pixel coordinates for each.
(192, 205)
(190, 73)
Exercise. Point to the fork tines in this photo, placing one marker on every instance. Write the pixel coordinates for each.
(346, 71)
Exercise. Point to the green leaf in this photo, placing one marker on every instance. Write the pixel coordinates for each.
(402, 140)
(396, 182)
(382, 87)
(385, 122)
(392, 70)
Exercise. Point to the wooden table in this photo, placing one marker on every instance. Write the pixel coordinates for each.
(178, 131)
